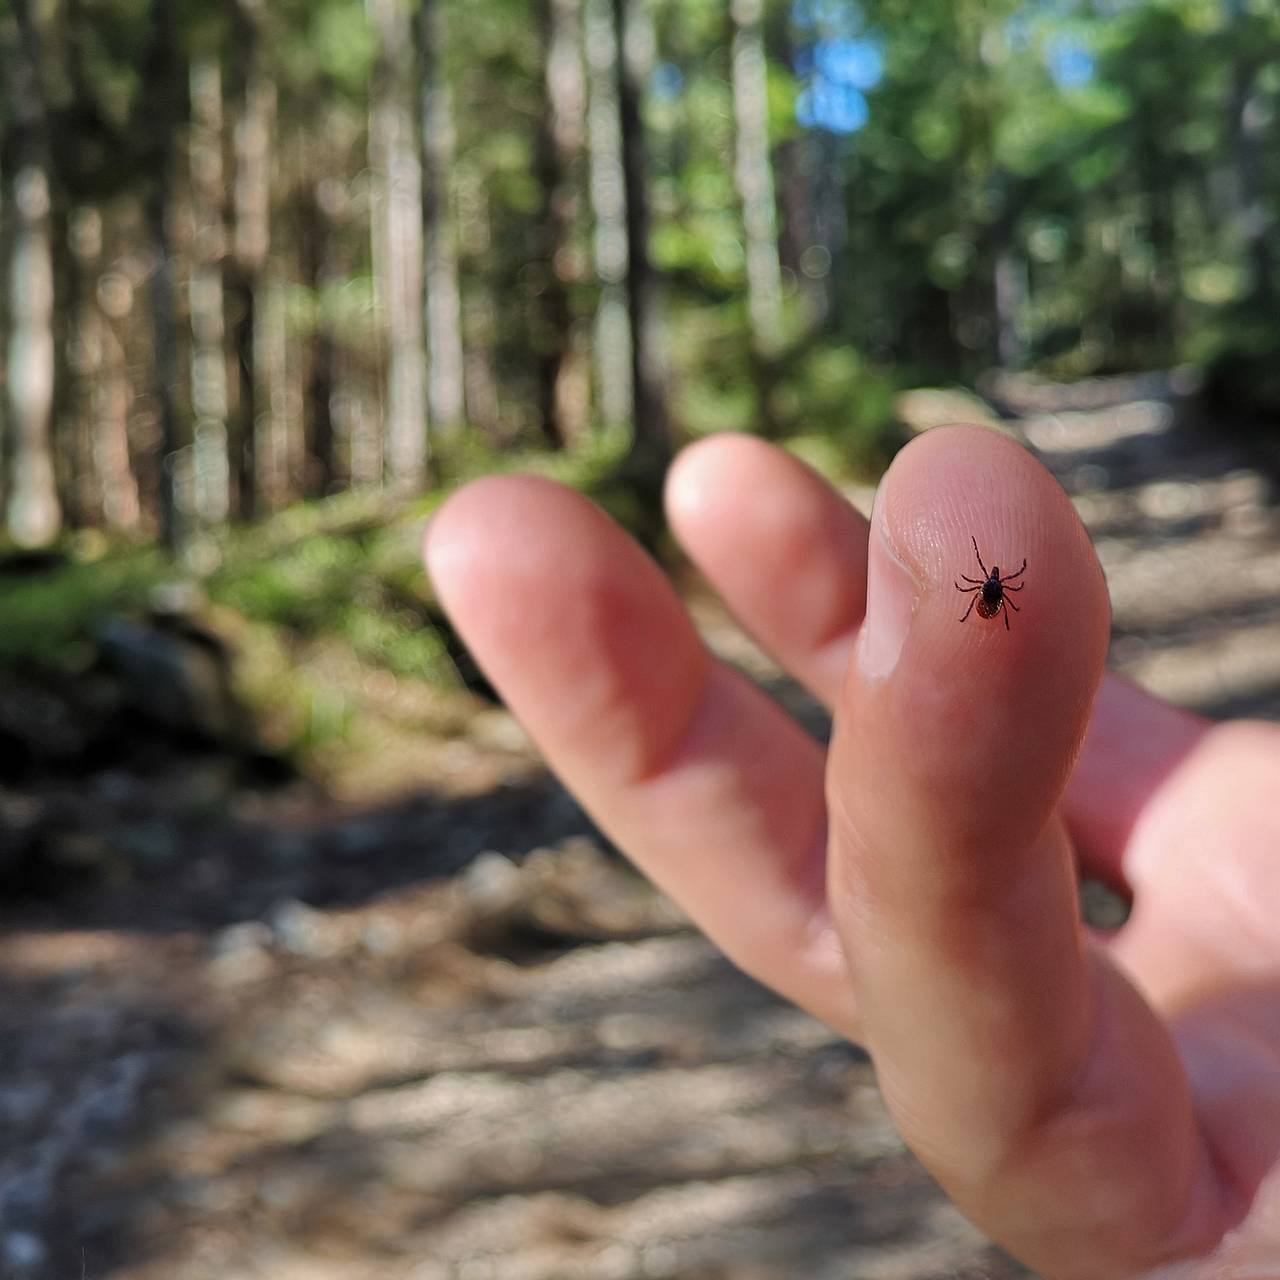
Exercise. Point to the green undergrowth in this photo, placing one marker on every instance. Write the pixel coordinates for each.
(47, 617)
(340, 574)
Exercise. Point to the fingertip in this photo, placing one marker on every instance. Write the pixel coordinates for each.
(961, 503)
(781, 546)
(705, 475)
(956, 732)
(962, 499)
(441, 545)
(499, 523)
(449, 535)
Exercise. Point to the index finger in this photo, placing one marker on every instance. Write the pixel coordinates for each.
(706, 782)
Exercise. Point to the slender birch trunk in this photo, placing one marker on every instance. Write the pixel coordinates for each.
(445, 370)
(612, 341)
(34, 513)
(397, 242)
(753, 173)
(479, 311)
(163, 72)
(206, 302)
(113, 460)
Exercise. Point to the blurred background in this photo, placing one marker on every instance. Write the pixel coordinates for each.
(310, 970)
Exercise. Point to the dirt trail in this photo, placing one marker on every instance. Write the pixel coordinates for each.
(522, 1065)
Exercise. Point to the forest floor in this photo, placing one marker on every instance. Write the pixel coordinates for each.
(420, 1023)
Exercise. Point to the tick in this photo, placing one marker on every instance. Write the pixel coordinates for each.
(991, 592)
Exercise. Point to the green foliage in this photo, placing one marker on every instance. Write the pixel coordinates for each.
(343, 44)
(818, 389)
(835, 394)
(50, 616)
(1115, 188)
(1122, 199)
(1240, 354)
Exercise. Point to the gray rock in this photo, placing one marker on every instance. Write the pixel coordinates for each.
(303, 930)
(23, 1251)
(179, 679)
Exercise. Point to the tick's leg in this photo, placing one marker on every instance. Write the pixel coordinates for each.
(1007, 627)
(978, 587)
(969, 610)
(976, 581)
(978, 553)
(1004, 586)
(1016, 575)
(1011, 605)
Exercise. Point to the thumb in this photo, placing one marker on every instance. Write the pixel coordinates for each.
(1024, 1070)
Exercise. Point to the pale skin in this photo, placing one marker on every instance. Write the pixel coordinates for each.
(1105, 1107)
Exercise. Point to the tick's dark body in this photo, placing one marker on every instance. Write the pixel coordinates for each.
(990, 591)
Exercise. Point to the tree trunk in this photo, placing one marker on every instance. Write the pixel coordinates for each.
(251, 242)
(804, 256)
(479, 312)
(1011, 294)
(651, 444)
(754, 175)
(364, 433)
(84, 361)
(1246, 128)
(163, 76)
(34, 513)
(171, 472)
(445, 371)
(276, 423)
(831, 229)
(320, 468)
(208, 328)
(112, 397)
(795, 218)
(397, 242)
(1163, 234)
(612, 344)
(82, 501)
(565, 391)
(107, 487)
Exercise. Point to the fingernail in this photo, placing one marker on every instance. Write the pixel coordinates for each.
(891, 600)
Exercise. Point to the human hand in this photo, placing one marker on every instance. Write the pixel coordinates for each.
(1105, 1106)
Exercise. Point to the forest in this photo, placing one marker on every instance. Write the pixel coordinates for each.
(312, 968)
(262, 253)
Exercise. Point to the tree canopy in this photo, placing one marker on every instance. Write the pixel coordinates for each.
(258, 252)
